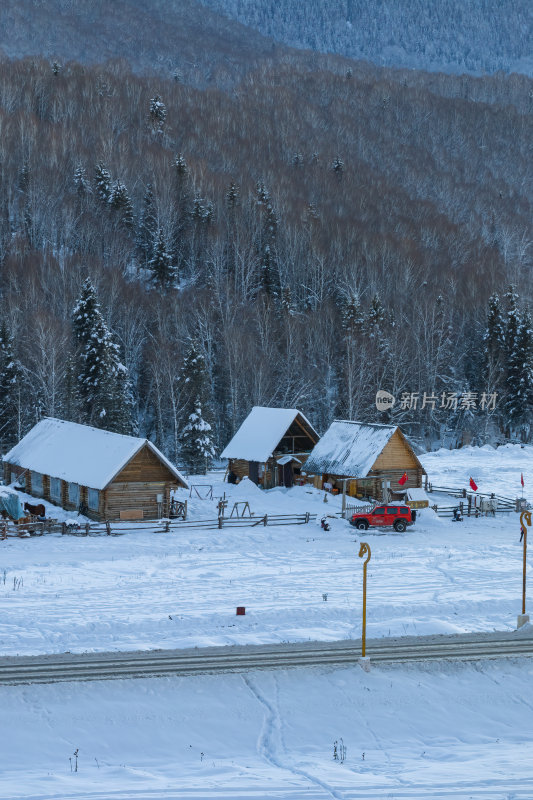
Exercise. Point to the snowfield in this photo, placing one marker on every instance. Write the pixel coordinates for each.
(430, 733)
(148, 590)
(495, 470)
(425, 732)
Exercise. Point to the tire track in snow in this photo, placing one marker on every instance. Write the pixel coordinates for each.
(270, 741)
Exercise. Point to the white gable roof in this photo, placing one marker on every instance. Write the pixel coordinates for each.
(261, 432)
(78, 453)
(348, 448)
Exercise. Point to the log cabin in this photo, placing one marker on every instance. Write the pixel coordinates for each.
(107, 475)
(271, 446)
(367, 456)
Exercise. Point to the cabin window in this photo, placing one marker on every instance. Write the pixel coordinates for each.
(93, 500)
(74, 494)
(36, 483)
(20, 480)
(55, 489)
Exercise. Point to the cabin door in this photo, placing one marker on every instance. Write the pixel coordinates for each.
(288, 475)
(253, 471)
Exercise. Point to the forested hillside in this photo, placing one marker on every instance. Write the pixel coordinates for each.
(476, 36)
(302, 240)
(175, 38)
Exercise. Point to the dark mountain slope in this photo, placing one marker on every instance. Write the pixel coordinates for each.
(163, 37)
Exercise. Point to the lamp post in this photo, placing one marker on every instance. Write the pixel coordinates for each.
(525, 522)
(364, 550)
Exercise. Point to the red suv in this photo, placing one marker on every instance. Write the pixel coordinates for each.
(396, 516)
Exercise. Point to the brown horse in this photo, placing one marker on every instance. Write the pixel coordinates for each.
(36, 511)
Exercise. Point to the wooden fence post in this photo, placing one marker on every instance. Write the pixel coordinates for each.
(108, 527)
(63, 528)
(265, 520)
(167, 526)
(87, 528)
(220, 522)
(185, 510)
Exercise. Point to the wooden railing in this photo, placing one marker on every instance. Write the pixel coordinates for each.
(117, 528)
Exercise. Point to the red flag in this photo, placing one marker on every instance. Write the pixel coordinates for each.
(403, 479)
(522, 479)
(473, 484)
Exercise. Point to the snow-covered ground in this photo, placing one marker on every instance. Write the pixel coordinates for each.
(148, 590)
(437, 731)
(430, 733)
(493, 469)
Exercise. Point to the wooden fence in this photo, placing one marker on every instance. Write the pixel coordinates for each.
(468, 504)
(10, 530)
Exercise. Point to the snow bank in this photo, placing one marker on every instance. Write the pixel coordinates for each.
(437, 731)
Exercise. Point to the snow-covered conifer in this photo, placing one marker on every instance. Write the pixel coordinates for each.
(120, 200)
(103, 387)
(81, 184)
(164, 273)
(102, 182)
(158, 112)
(338, 166)
(197, 449)
(376, 315)
(9, 377)
(194, 387)
(146, 232)
(520, 374)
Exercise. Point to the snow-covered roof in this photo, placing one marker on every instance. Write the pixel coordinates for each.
(78, 453)
(261, 432)
(417, 494)
(348, 448)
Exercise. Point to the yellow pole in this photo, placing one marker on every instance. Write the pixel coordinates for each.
(525, 522)
(364, 550)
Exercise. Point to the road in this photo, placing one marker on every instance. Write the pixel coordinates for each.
(210, 660)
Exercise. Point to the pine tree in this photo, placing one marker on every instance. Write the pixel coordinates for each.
(194, 389)
(338, 167)
(495, 360)
(81, 184)
(494, 338)
(232, 203)
(233, 197)
(103, 387)
(268, 266)
(512, 319)
(180, 165)
(158, 112)
(102, 182)
(376, 316)
(353, 320)
(71, 401)
(179, 243)
(197, 450)
(286, 304)
(147, 229)
(164, 273)
(9, 379)
(520, 374)
(119, 200)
